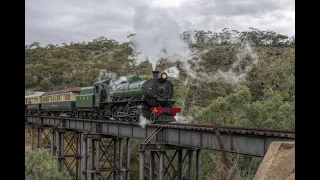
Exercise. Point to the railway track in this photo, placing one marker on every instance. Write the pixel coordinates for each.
(245, 130)
(213, 127)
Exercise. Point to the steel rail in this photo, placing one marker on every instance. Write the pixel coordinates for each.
(176, 125)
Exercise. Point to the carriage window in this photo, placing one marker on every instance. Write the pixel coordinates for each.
(67, 97)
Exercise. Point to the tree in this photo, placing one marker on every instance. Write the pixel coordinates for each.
(45, 84)
(39, 164)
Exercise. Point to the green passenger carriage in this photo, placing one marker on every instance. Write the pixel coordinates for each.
(61, 101)
(33, 102)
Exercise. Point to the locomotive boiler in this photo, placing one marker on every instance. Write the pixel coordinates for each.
(151, 97)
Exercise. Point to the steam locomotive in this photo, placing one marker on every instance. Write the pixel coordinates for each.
(125, 100)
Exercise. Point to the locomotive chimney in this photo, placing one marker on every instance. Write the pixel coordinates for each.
(155, 74)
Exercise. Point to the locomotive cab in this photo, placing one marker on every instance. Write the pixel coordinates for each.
(101, 92)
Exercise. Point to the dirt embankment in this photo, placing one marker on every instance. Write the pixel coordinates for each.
(278, 163)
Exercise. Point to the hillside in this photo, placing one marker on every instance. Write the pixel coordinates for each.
(247, 82)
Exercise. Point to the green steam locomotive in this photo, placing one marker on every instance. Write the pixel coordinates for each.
(123, 99)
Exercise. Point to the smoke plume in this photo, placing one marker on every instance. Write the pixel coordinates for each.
(157, 36)
(245, 59)
(105, 74)
(143, 121)
(172, 72)
(183, 119)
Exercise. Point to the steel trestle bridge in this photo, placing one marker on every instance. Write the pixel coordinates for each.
(95, 149)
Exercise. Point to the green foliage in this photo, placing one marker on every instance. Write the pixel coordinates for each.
(228, 110)
(238, 109)
(271, 113)
(275, 75)
(265, 99)
(78, 64)
(39, 164)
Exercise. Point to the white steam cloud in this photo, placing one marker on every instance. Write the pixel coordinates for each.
(183, 119)
(115, 80)
(143, 121)
(105, 74)
(237, 73)
(172, 72)
(246, 59)
(157, 36)
(118, 81)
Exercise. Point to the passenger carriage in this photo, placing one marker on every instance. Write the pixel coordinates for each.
(60, 101)
(33, 103)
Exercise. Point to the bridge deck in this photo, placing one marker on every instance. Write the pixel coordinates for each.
(253, 142)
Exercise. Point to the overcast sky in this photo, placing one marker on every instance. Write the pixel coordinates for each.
(58, 21)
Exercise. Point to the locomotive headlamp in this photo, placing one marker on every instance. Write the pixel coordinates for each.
(164, 76)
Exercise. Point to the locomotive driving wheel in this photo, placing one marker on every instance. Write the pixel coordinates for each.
(135, 117)
(126, 112)
(133, 113)
(114, 113)
(153, 117)
(120, 113)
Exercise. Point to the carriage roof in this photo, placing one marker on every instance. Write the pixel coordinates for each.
(35, 94)
(72, 89)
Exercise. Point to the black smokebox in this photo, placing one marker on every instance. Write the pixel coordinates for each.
(155, 74)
